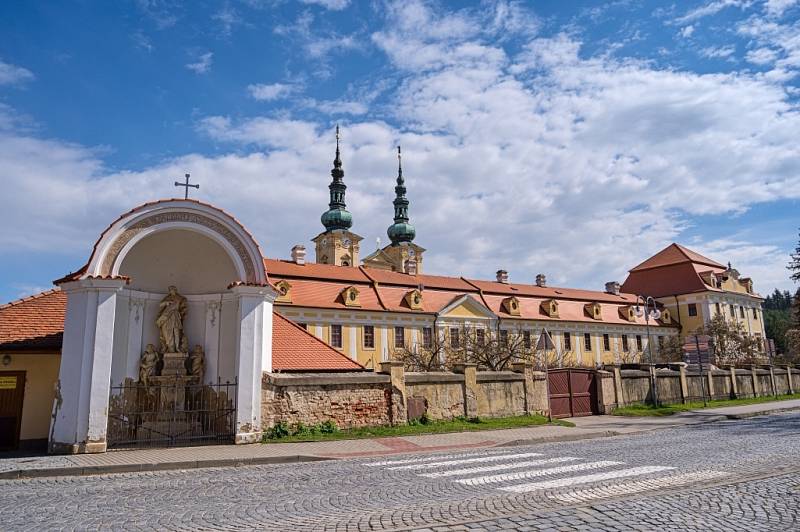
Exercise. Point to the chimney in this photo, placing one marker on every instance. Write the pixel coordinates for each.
(612, 287)
(411, 267)
(299, 254)
(541, 280)
(502, 276)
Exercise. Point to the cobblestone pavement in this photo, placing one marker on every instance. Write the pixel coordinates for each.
(738, 475)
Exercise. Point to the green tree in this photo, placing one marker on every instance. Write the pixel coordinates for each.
(794, 264)
(732, 344)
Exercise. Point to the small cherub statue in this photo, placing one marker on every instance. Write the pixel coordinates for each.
(197, 363)
(148, 364)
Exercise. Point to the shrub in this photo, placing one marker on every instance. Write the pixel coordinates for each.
(277, 431)
(328, 427)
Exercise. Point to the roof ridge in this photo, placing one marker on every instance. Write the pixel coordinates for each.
(29, 298)
(293, 324)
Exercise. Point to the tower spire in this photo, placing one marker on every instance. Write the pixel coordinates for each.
(337, 217)
(400, 230)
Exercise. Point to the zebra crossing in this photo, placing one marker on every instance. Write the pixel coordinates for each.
(567, 479)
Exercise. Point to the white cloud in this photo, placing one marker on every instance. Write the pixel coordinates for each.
(269, 92)
(718, 52)
(709, 9)
(776, 8)
(164, 13)
(687, 31)
(203, 63)
(761, 56)
(783, 40)
(228, 18)
(334, 5)
(12, 74)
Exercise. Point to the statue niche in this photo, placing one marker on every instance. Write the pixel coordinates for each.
(171, 368)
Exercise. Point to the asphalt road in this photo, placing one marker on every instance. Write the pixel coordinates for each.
(736, 475)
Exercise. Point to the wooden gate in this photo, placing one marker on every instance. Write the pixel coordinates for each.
(573, 392)
(12, 391)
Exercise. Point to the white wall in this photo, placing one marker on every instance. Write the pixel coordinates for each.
(191, 261)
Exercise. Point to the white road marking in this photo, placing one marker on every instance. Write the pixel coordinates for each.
(585, 479)
(492, 479)
(499, 467)
(494, 458)
(626, 488)
(427, 459)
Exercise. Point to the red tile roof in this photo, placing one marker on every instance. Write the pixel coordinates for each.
(295, 349)
(33, 324)
(673, 270)
(36, 324)
(675, 254)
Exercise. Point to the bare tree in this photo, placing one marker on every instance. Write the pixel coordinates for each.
(494, 349)
(732, 344)
(671, 350)
(434, 357)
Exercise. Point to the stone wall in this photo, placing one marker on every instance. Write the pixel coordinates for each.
(385, 398)
(677, 385)
(349, 399)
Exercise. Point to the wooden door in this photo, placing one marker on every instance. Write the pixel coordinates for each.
(12, 391)
(573, 392)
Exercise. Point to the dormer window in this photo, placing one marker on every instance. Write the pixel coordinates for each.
(414, 299)
(628, 313)
(350, 297)
(550, 308)
(284, 291)
(666, 317)
(511, 306)
(594, 311)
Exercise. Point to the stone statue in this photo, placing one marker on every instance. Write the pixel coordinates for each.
(171, 312)
(184, 344)
(148, 364)
(197, 363)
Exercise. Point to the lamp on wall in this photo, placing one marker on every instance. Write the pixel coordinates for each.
(6, 360)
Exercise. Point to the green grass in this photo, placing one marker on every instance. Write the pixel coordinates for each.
(668, 410)
(302, 433)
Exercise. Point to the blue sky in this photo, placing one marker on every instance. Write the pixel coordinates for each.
(570, 138)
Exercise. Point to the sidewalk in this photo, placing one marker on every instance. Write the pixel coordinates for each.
(237, 455)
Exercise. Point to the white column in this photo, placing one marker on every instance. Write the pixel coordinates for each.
(80, 417)
(135, 327)
(352, 343)
(385, 342)
(253, 357)
(213, 321)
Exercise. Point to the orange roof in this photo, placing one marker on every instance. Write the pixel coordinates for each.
(310, 270)
(295, 349)
(312, 293)
(35, 323)
(675, 254)
(673, 270)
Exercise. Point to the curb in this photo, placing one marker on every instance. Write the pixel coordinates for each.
(164, 466)
(559, 439)
(761, 413)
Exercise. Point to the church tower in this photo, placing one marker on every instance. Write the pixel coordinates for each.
(402, 255)
(337, 244)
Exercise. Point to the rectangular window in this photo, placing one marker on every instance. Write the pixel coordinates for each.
(692, 309)
(587, 341)
(427, 337)
(625, 342)
(639, 342)
(399, 337)
(504, 336)
(755, 313)
(369, 337)
(336, 335)
(741, 312)
(606, 343)
(733, 311)
(455, 338)
(480, 336)
(567, 341)
(526, 339)
(719, 308)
